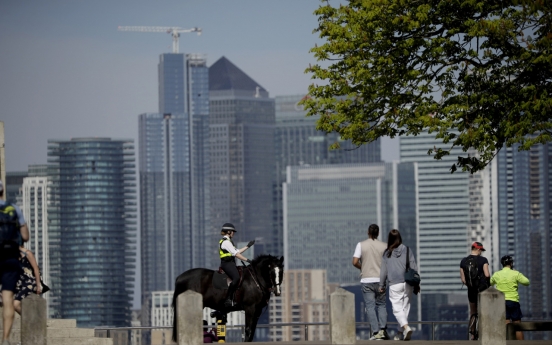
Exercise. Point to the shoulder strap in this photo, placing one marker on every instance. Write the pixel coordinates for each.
(407, 258)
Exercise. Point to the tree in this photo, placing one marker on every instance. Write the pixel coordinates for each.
(477, 73)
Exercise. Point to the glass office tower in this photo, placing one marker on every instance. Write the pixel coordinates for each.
(297, 142)
(242, 156)
(328, 208)
(91, 211)
(174, 175)
(443, 205)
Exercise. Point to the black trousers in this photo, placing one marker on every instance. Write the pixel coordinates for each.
(229, 267)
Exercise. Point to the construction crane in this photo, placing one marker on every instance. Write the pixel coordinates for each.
(174, 31)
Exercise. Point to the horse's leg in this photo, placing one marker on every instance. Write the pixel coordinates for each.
(252, 314)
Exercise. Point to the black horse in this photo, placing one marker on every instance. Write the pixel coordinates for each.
(263, 276)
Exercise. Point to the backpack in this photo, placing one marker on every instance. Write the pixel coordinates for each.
(9, 231)
(471, 272)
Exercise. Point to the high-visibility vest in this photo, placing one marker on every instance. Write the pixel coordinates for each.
(223, 253)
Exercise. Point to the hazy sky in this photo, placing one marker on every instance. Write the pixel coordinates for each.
(65, 70)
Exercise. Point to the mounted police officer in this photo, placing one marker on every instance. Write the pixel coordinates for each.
(228, 255)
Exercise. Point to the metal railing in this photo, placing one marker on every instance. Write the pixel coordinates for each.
(99, 331)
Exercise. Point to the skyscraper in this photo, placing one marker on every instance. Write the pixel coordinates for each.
(242, 155)
(35, 209)
(174, 175)
(443, 204)
(91, 211)
(328, 208)
(298, 142)
(532, 172)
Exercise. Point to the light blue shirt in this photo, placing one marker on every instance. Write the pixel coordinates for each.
(17, 210)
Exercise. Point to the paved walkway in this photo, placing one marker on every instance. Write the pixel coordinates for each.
(412, 342)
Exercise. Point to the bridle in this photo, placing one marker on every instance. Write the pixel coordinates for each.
(258, 282)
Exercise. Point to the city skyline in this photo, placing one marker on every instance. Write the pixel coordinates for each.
(67, 71)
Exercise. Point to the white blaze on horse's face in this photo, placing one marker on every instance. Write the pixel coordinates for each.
(277, 280)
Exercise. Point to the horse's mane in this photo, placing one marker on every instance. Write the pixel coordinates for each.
(264, 257)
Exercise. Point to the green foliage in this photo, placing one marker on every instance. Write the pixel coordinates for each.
(477, 73)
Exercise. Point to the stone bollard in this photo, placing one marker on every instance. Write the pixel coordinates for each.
(190, 318)
(33, 320)
(492, 317)
(342, 317)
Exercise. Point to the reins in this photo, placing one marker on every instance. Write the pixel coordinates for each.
(258, 282)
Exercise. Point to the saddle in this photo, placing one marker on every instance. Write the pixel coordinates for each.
(222, 281)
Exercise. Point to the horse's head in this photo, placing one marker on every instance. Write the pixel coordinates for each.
(272, 269)
(277, 274)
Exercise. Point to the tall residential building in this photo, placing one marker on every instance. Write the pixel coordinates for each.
(328, 208)
(91, 228)
(297, 142)
(304, 299)
(510, 213)
(174, 175)
(35, 209)
(242, 156)
(532, 201)
(505, 180)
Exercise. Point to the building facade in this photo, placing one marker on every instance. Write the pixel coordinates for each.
(298, 142)
(12, 186)
(242, 158)
(443, 204)
(531, 175)
(328, 208)
(174, 175)
(304, 299)
(91, 229)
(35, 209)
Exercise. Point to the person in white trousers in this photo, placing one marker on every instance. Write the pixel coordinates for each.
(392, 271)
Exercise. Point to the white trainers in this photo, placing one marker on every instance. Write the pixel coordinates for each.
(378, 336)
(407, 333)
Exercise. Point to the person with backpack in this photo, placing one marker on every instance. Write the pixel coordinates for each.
(474, 273)
(507, 281)
(13, 229)
(393, 267)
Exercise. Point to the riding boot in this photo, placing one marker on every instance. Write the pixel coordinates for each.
(229, 302)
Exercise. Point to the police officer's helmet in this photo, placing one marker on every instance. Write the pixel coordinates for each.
(507, 260)
(228, 227)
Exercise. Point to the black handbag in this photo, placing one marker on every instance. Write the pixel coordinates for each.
(411, 276)
(45, 288)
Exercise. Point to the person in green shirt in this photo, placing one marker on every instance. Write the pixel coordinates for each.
(507, 281)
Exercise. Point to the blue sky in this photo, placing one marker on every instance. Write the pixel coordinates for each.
(65, 70)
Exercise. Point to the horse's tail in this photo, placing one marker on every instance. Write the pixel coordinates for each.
(178, 289)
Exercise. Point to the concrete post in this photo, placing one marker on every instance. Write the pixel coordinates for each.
(33, 320)
(190, 318)
(492, 317)
(342, 317)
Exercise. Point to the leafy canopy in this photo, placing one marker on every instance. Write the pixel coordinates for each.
(477, 73)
